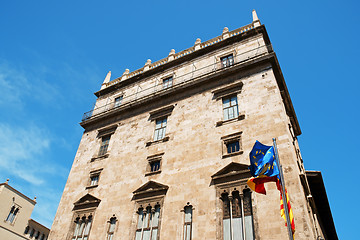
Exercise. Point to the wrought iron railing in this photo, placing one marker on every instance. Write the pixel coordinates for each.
(184, 53)
(178, 81)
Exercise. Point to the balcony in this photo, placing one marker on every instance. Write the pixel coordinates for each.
(189, 78)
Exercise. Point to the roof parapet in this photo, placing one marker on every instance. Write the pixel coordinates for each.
(197, 46)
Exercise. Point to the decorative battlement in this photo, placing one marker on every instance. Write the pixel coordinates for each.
(172, 55)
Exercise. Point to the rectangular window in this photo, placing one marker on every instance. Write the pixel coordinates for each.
(155, 166)
(167, 82)
(118, 101)
(233, 147)
(237, 216)
(111, 229)
(188, 223)
(230, 107)
(227, 61)
(104, 145)
(148, 224)
(94, 180)
(160, 129)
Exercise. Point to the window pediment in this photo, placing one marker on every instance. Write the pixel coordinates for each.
(232, 172)
(162, 112)
(107, 131)
(227, 90)
(87, 201)
(150, 189)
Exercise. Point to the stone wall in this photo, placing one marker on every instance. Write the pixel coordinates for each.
(193, 153)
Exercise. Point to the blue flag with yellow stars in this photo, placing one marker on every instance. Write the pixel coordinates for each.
(262, 161)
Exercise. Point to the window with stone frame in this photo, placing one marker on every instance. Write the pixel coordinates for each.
(237, 215)
(228, 95)
(117, 101)
(227, 60)
(111, 228)
(148, 223)
(234, 200)
(230, 107)
(232, 145)
(160, 118)
(149, 199)
(12, 214)
(103, 138)
(160, 128)
(167, 82)
(188, 211)
(84, 210)
(82, 227)
(94, 178)
(104, 145)
(154, 165)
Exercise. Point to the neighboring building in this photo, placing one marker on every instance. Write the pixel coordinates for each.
(164, 154)
(15, 212)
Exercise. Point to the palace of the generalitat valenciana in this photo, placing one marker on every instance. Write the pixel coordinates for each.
(167, 145)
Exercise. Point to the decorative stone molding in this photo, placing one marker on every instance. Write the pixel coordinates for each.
(171, 55)
(162, 112)
(225, 33)
(87, 201)
(107, 131)
(197, 44)
(231, 89)
(150, 189)
(147, 65)
(125, 74)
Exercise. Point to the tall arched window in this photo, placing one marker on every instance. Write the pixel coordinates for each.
(237, 215)
(84, 210)
(188, 210)
(12, 214)
(82, 228)
(234, 199)
(111, 229)
(148, 223)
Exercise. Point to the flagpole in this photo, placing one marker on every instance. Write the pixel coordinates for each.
(282, 183)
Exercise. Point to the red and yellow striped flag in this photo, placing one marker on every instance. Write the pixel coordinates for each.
(282, 211)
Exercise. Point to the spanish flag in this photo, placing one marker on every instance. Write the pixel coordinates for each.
(282, 211)
(257, 184)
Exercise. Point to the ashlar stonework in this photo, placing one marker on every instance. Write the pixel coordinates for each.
(206, 105)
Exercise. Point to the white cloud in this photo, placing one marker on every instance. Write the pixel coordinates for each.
(18, 85)
(11, 85)
(21, 149)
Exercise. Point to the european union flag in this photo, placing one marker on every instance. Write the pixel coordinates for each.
(262, 161)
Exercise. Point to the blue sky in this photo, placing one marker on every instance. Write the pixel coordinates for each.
(55, 54)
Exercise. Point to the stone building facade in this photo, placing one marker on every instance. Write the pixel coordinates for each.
(165, 150)
(15, 212)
